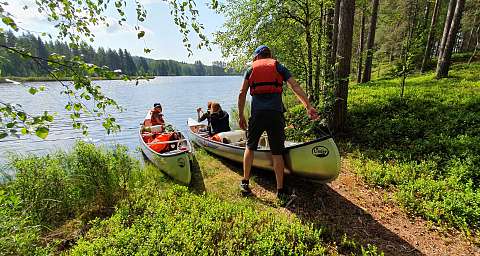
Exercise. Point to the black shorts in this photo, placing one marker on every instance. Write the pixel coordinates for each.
(273, 123)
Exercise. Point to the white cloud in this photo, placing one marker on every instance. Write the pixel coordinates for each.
(25, 17)
(114, 27)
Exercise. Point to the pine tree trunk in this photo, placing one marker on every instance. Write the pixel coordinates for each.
(431, 35)
(360, 47)
(468, 45)
(446, 29)
(335, 31)
(367, 73)
(426, 14)
(443, 65)
(344, 53)
(476, 45)
(308, 38)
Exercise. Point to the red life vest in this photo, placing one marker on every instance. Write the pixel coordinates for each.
(157, 145)
(265, 78)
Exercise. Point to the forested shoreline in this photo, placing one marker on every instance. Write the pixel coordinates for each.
(121, 61)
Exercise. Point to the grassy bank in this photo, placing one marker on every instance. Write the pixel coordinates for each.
(424, 147)
(93, 201)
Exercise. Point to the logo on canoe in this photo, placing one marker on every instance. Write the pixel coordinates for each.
(320, 151)
(181, 162)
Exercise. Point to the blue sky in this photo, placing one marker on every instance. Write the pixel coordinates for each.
(161, 35)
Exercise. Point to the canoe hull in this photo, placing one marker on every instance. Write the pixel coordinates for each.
(318, 160)
(177, 165)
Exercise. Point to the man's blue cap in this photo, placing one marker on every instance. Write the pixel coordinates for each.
(259, 50)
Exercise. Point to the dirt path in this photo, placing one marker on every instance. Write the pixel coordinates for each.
(367, 214)
(348, 206)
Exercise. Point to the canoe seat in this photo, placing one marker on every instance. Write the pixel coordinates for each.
(233, 137)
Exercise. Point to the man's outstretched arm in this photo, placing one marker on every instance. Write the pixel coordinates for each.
(302, 96)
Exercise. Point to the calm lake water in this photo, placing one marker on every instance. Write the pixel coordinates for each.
(179, 96)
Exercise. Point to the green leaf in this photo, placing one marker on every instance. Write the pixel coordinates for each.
(7, 20)
(24, 130)
(32, 90)
(141, 34)
(42, 88)
(42, 132)
(77, 106)
(22, 116)
(3, 135)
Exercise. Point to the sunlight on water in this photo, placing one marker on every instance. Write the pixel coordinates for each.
(179, 96)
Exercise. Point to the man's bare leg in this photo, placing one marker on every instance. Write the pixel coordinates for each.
(247, 166)
(278, 167)
(247, 163)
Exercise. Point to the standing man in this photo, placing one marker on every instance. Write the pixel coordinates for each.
(264, 80)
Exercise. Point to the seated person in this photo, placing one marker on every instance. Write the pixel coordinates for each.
(204, 115)
(154, 118)
(219, 119)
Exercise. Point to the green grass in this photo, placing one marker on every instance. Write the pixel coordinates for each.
(94, 201)
(426, 146)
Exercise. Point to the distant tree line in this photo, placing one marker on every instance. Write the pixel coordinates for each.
(12, 64)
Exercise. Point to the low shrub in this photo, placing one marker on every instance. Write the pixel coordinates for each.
(176, 221)
(425, 145)
(46, 191)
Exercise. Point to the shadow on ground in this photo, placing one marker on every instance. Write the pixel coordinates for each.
(320, 205)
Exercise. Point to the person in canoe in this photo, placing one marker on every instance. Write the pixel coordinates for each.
(218, 119)
(201, 116)
(154, 120)
(265, 80)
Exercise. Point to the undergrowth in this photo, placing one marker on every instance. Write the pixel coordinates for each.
(426, 145)
(96, 201)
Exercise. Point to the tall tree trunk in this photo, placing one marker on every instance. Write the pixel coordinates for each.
(443, 65)
(318, 58)
(360, 47)
(329, 55)
(468, 45)
(430, 39)
(412, 14)
(344, 53)
(476, 45)
(426, 14)
(308, 38)
(367, 73)
(446, 29)
(335, 31)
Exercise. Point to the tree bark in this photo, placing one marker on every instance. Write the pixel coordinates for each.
(443, 65)
(426, 14)
(367, 73)
(318, 58)
(344, 53)
(446, 29)
(470, 36)
(335, 31)
(430, 39)
(360, 47)
(308, 38)
(476, 45)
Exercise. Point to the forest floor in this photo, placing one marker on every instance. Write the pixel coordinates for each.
(347, 206)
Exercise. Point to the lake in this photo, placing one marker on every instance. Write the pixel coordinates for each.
(179, 96)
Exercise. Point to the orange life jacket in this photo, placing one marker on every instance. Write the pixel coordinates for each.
(265, 78)
(162, 147)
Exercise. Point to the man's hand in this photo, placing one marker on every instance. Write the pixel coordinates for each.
(199, 109)
(312, 113)
(242, 122)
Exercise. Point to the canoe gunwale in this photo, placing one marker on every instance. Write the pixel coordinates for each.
(326, 137)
